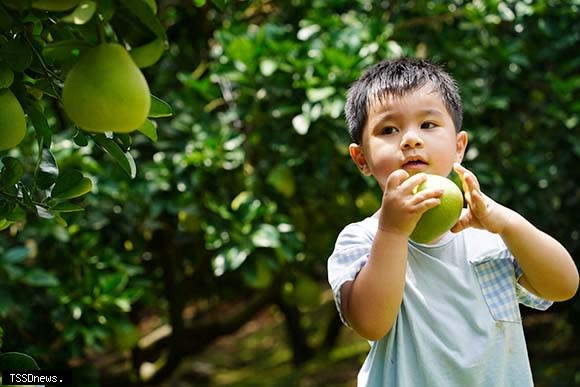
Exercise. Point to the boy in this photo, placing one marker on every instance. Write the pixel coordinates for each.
(443, 313)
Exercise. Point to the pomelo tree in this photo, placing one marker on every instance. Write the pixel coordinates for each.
(67, 66)
(67, 77)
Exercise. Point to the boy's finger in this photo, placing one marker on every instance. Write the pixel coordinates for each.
(461, 224)
(479, 203)
(461, 170)
(469, 180)
(413, 181)
(396, 179)
(428, 203)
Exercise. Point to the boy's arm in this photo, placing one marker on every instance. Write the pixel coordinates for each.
(548, 269)
(370, 303)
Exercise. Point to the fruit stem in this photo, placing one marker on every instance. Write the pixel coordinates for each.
(101, 30)
(45, 68)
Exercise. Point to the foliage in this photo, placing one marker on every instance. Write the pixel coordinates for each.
(37, 50)
(238, 202)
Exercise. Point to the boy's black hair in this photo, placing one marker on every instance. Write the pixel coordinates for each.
(396, 78)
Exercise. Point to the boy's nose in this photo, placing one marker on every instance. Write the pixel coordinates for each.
(411, 140)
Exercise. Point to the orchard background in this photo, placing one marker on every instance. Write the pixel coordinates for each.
(197, 245)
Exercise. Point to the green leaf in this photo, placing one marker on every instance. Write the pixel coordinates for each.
(81, 138)
(113, 282)
(142, 11)
(6, 207)
(7, 302)
(268, 67)
(66, 207)
(40, 278)
(16, 213)
(43, 212)
(71, 184)
(12, 172)
(266, 236)
(17, 361)
(229, 259)
(124, 140)
(5, 20)
(242, 49)
(48, 170)
(63, 50)
(124, 159)
(301, 123)
(316, 95)
(15, 254)
(149, 130)
(259, 275)
(17, 54)
(40, 123)
(159, 108)
(82, 14)
(282, 179)
(5, 223)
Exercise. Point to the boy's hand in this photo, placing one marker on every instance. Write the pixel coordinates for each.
(401, 209)
(482, 212)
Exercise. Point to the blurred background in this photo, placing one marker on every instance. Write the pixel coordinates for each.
(208, 268)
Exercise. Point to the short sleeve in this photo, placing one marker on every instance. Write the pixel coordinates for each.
(526, 297)
(350, 254)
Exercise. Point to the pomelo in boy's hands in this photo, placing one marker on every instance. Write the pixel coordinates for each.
(106, 91)
(438, 220)
(12, 120)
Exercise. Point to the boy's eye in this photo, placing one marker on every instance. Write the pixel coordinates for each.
(388, 130)
(428, 125)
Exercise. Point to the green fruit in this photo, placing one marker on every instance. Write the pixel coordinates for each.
(6, 76)
(106, 91)
(12, 120)
(148, 54)
(54, 5)
(438, 220)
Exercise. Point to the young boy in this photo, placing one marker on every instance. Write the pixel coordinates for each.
(444, 313)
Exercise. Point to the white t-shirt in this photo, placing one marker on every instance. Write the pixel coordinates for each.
(459, 322)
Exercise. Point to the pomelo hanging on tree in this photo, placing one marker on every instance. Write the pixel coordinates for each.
(106, 91)
(12, 120)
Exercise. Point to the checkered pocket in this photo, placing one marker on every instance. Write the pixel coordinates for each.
(498, 284)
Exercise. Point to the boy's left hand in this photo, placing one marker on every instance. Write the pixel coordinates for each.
(482, 212)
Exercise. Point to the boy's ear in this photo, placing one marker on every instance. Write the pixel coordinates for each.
(461, 145)
(358, 157)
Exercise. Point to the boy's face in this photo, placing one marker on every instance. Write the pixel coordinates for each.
(413, 132)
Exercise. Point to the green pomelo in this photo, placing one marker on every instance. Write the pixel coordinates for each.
(54, 5)
(12, 120)
(148, 54)
(438, 220)
(106, 91)
(6, 76)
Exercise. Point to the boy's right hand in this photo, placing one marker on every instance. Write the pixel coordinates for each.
(401, 209)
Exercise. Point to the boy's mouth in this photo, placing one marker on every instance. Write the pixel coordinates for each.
(414, 163)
